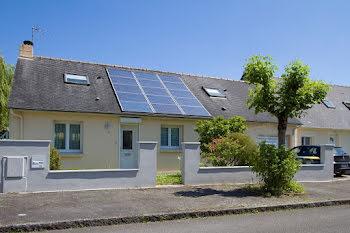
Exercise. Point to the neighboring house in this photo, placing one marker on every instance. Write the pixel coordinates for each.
(95, 113)
(328, 122)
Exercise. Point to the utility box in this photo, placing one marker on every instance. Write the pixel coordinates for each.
(15, 166)
(37, 162)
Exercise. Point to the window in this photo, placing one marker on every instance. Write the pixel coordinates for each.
(270, 140)
(67, 137)
(213, 92)
(306, 140)
(170, 138)
(328, 104)
(347, 104)
(76, 79)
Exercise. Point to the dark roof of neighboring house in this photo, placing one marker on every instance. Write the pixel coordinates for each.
(39, 85)
(319, 116)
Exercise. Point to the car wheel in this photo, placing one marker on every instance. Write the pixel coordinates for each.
(338, 173)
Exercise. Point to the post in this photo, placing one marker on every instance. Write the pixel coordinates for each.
(327, 158)
(190, 160)
(148, 162)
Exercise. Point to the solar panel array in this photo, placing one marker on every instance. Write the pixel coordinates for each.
(149, 92)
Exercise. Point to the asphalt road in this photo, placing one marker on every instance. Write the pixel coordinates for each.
(315, 220)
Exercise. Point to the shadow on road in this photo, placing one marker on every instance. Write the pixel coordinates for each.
(201, 192)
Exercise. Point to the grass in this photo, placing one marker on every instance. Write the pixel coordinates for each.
(169, 178)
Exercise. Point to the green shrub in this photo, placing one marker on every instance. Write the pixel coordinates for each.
(55, 159)
(276, 167)
(233, 149)
(209, 130)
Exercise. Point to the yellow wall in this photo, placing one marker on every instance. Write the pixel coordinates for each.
(150, 131)
(321, 136)
(100, 146)
(267, 129)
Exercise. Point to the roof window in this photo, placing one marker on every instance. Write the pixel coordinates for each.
(347, 104)
(213, 92)
(76, 79)
(328, 104)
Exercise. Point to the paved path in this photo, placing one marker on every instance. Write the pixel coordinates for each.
(315, 220)
(60, 206)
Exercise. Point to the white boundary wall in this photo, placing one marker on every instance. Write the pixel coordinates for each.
(17, 175)
(192, 174)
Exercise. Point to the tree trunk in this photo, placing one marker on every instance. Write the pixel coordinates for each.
(282, 129)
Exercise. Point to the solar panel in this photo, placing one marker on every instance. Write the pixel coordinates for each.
(166, 108)
(149, 92)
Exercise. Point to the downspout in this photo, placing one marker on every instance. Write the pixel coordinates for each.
(295, 132)
(21, 128)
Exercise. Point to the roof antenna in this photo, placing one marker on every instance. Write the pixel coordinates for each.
(36, 31)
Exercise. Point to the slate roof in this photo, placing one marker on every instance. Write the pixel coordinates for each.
(39, 85)
(319, 116)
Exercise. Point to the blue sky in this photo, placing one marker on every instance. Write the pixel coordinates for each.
(211, 38)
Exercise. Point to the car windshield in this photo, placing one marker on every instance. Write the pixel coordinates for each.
(339, 150)
(307, 151)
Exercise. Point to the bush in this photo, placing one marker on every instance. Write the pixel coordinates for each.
(209, 130)
(276, 167)
(55, 159)
(233, 149)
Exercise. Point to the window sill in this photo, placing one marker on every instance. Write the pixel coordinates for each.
(74, 154)
(171, 150)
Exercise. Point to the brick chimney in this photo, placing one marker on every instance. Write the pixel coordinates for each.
(26, 49)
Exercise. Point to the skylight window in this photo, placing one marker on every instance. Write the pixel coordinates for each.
(328, 104)
(76, 79)
(347, 104)
(213, 92)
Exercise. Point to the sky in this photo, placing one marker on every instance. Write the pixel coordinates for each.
(210, 38)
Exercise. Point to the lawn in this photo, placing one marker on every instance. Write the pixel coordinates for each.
(169, 178)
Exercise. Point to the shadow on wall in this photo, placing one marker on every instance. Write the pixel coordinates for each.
(202, 192)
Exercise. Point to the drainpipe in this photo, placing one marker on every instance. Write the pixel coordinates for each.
(21, 131)
(295, 130)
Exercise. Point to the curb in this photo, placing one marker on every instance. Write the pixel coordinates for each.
(160, 217)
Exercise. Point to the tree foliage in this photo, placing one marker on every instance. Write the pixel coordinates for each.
(6, 77)
(287, 97)
(277, 167)
(233, 149)
(55, 159)
(209, 130)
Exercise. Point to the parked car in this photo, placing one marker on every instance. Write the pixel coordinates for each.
(311, 155)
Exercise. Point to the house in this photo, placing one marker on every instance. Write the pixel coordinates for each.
(95, 113)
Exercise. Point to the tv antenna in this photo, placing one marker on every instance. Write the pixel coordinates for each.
(36, 31)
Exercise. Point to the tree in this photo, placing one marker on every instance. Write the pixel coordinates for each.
(209, 130)
(232, 149)
(55, 159)
(288, 97)
(6, 77)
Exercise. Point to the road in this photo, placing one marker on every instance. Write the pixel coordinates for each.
(315, 220)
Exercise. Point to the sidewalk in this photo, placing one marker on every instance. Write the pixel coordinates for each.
(75, 205)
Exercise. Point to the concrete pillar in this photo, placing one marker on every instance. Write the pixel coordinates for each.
(190, 160)
(327, 158)
(148, 162)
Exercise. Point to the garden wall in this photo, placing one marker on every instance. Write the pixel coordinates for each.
(25, 168)
(192, 174)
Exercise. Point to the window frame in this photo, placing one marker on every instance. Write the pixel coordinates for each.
(78, 83)
(67, 138)
(169, 147)
(261, 139)
(307, 136)
(328, 103)
(206, 89)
